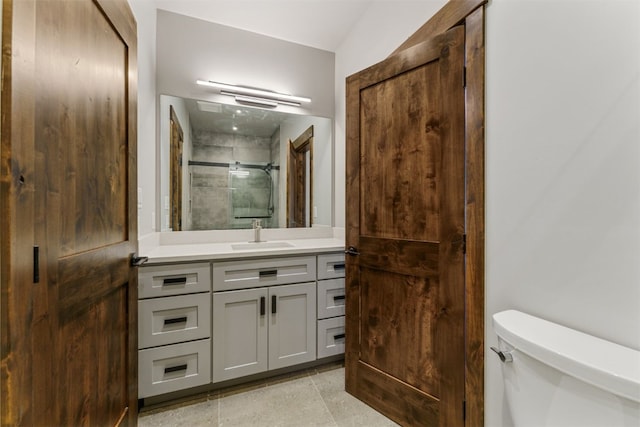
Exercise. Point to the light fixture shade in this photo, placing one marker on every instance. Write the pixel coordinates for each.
(251, 100)
(255, 94)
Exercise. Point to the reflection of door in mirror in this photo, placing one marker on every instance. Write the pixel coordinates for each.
(299, 180)
(175, 156)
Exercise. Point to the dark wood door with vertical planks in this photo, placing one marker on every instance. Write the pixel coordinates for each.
(300, 180)
(405, 351)
(69, 353)
(176, 145)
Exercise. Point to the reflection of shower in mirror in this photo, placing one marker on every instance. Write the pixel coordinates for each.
(219, 135)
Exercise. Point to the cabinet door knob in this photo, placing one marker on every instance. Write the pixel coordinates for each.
(274, 300)
(263, 301)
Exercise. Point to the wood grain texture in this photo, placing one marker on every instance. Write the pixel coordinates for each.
(397, 331)
(352, 235)
(451, 316)
(400, 142)
(470, 13)
(417, 258)
(69, 129)
(405, 214)
(453, 13)
(407, 406)
(175, 169)
(17, 211)
(300, 160)
(474, 330)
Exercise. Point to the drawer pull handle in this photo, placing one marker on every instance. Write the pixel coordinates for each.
(338, 266)
(176, 368)
(268, 273)
(338, 336)
(339, 298)
(175, 281)
(175, 320)
(274, 299)
(263, 303)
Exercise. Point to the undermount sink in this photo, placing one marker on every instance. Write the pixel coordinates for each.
(260, 245)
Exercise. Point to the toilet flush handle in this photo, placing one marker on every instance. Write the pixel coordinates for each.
(505, 356)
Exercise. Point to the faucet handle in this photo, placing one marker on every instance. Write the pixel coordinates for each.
(257, 223)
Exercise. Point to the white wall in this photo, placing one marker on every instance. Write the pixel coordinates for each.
(190, 49)
(145, 14)
(563, 169)
(384, 26)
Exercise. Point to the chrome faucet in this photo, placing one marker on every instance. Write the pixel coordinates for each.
(256, 230)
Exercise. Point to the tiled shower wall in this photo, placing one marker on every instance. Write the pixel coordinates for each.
(211, 204)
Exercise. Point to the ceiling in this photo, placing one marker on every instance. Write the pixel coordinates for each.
(234, 119)
(322, 24)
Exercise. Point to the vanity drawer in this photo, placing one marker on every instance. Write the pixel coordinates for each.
(233, 275)
(173, 367)
(165, 280)
(331, 266)
(331, 298)
(330, 337)
(171, 320)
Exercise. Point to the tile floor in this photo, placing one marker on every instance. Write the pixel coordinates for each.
(314, 397)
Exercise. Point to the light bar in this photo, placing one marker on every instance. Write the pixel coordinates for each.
(280, 98)
(251, 100)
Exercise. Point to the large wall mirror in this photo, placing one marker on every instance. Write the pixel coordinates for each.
(224, 166)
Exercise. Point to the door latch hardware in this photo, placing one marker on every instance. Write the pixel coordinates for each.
(137, 261)
(353, 251)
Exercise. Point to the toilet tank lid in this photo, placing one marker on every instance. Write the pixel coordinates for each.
(601, 363)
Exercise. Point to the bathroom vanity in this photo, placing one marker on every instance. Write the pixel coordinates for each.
(210, 314)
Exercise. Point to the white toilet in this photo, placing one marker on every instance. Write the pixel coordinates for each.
(557, 376)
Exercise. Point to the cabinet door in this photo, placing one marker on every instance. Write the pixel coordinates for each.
(239, 333)
(292, 325)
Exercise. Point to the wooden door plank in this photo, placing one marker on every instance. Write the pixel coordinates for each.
(400, 316)
(378, 389)
(18, 182)
(474, 275)
(402, 256)
(452, 228)
(98, 361)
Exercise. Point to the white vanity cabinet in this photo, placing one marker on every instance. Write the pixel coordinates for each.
(263, 318)
(206, 322)
(331, 304)
(174, 327)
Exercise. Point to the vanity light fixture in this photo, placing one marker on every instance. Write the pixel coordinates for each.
(255, 96)
(250, 100)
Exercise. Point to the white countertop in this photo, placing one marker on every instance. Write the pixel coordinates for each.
(226, 251)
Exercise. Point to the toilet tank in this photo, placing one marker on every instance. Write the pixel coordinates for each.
(557, 376)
